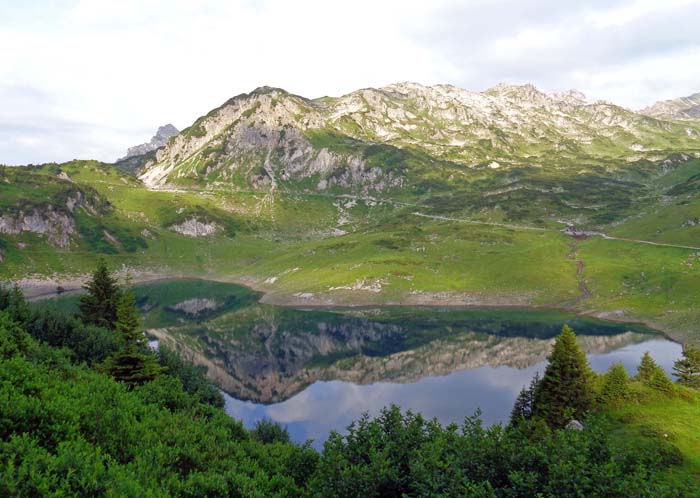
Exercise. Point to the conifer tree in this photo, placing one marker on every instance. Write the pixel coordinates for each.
(660, 381)
(615, 384)
(646, 368)
(687, 368)
(13, 302)
(128, 323)
(99, 305)
(134, 364)
(565, 390)
(522, 410)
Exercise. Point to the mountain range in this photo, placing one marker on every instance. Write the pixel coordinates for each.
(270, 137)
(402, 194)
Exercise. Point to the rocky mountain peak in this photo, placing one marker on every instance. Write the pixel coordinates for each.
(158, 140)
(269, 90)
(165, 132)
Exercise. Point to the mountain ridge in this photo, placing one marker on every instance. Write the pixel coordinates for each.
(510, 123)
(682, 108)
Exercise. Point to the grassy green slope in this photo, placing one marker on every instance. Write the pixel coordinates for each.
(652, 416)
(288, 243)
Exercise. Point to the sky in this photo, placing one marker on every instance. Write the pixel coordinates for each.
(87, 79)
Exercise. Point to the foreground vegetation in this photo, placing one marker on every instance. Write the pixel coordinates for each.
(70, 428)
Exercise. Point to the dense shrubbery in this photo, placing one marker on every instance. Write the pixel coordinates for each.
(69, 430)
(399, 455)
(192, 378)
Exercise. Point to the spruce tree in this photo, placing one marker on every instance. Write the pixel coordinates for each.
(565, 390)
(660, 381)
(647, 368)
(615, 384)
(12, 301)
(134, 364)
(128, 323)
(687, 368)
(522, 409)
(99, 305)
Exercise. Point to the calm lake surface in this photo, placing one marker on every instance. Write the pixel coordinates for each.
(317, 370)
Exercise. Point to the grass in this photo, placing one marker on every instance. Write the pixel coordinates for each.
(657, 419)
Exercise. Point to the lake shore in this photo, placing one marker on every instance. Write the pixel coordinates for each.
(37, 288)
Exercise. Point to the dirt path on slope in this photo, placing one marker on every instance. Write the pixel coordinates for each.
(580, 278)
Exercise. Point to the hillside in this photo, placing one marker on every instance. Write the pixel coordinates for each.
(404, 194)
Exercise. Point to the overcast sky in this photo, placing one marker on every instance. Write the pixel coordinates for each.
(87, 79)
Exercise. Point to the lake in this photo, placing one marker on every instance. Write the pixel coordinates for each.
(317, 370)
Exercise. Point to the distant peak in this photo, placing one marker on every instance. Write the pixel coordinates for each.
(267, 90)
(682, 108)
(158, 140)
(572, 96)
(503, 88)
(166, 131)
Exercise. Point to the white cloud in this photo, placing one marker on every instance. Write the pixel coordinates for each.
(95, 77)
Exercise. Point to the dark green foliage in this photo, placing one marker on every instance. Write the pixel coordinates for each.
(128, 324)
(522, 409)
(687, 368)
(193, 378)
(68, 431)
(99, 305)
(131, 367)
(13, 302)
(652, 375)
(88, 343)
(401, 454)
(647, 368)
(269, 431)
(565, 391)
(660, 381)
(133, 364)
(615, 386)
(13, 340)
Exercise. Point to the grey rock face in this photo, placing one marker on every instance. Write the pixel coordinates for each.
(683, 108)
(158, 140)
(56, 226)
(193, 227)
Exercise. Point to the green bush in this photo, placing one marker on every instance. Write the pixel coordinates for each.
(68, 431)
(401, 454)
(193, 379)
(269, 431)
(88, 343)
